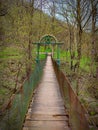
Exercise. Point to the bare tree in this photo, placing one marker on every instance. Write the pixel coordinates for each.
(31, 11)
(79, 10)
(94, 28)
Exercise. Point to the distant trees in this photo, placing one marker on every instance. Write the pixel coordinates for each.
(16, 31)
(24, 22)
(21, 26)
(78, 14)
(94, 34)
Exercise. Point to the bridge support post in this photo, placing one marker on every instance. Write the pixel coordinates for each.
(37, 58)
(58, 54)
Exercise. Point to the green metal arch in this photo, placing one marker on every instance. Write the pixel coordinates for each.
(48, 39)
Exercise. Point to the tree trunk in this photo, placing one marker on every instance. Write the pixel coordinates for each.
(79, 27)
(93, 41)
(71, 51)
(29, 64)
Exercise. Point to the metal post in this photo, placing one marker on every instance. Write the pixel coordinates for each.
(58, 54)
(37, 58)
(52, 51)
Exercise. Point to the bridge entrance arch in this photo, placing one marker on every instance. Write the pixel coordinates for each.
(48, 40)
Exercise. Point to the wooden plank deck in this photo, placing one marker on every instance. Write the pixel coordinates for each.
(47, 111)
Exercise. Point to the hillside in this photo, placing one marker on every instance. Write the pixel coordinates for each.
(23, 25)
(14, 45)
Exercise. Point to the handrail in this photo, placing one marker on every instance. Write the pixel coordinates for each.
(15, 115)
(77, 113)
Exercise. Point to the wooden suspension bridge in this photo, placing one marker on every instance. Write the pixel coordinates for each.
(48, 101)
(47, 111)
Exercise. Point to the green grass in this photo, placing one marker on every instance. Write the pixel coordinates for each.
(15, 53)
(10, 52)
(3, 91)
(42, 56)
(85, 61)
(42, 52)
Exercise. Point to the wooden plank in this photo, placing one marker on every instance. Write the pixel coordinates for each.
(47, 110)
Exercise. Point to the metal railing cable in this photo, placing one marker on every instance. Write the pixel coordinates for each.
(76, 111)
(15, 114)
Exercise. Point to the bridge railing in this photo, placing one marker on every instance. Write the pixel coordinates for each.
(77, 113)
(17, 107)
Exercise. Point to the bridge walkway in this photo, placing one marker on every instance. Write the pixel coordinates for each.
(47, 111)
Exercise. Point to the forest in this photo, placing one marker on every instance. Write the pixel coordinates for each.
(73, 22)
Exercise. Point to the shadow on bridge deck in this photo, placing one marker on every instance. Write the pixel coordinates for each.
(47, 111)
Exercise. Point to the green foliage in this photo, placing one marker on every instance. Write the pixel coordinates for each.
(85, 61)
(3, 91)
(19, 27)
(92, 113)
(11, 52)
(42, 56)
